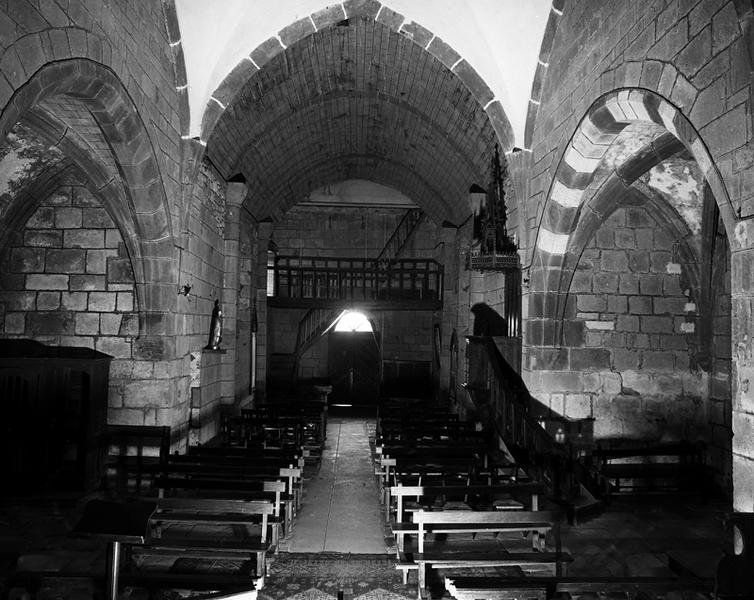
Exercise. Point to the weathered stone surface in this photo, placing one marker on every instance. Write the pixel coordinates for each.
(43, 239)
(125, 301)
(67, 218)
(102, 301)
(65, 261)
(87, 282)
(27, 260)
(48, 300)
(84, 238)
(119, 270)
(47, 282)
(49, 323)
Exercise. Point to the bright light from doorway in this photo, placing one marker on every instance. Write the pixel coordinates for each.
(353, 320)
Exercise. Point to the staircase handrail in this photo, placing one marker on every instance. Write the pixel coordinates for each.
(401, 233)
(549, 442)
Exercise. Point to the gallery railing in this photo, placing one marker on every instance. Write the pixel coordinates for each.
(355, 279)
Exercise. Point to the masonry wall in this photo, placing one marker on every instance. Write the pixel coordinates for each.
(202, 263)
(67, 280)
(342, 232)
(348, 232)
(638, 324)
(694, 55)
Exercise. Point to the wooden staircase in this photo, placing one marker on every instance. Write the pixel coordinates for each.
(550, 447)
(401, 235)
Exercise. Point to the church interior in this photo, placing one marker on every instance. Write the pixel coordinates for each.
(265, 264)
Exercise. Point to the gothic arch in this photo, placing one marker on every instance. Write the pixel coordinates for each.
(580, 189)
(145, 221)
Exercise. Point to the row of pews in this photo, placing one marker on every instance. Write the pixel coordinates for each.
(230, 503)
(470, 522)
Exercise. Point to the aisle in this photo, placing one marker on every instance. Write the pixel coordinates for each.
(341, 508)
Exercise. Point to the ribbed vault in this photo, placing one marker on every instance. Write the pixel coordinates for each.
(355, 101)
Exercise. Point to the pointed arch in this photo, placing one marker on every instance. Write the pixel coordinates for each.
(575, 202)
(145, 218)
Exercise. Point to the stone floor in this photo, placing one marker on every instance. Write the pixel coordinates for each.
(341, 513)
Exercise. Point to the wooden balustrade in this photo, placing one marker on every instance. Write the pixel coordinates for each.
(332, 280)
(548, 445)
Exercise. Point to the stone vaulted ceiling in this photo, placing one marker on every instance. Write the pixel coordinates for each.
(356, 100)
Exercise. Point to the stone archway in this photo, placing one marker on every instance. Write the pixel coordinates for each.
(579, 183)
(143, 214)
(618, 275)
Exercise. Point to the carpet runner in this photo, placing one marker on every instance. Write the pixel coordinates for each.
(320, 576)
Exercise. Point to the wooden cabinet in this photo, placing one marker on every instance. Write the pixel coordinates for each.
(54, 406)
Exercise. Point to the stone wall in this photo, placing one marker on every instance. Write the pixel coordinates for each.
(205, 386)
(639, 328)
(342, 232)
(685, 56)
(67, 280)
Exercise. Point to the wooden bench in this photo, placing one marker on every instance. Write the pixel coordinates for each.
(132, 457)
(403, 527)
(236, 469)
(544, 588)
(650, 468)
(190, 512)
(448, 554)
(273, 491)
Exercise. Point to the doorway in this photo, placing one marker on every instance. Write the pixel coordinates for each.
(354, 367)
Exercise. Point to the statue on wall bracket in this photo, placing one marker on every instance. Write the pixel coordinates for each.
(215, 328)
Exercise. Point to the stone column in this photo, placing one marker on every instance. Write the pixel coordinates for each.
(263, 239)
(235, 192)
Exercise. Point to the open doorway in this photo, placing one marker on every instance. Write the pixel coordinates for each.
(354, 361)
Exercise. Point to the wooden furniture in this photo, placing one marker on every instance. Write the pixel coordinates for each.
(544, 588)
(133, 455)
(54, 402)
(631, 467)
(450, 554)
(403, 526)
(115, 523)
(183, 514)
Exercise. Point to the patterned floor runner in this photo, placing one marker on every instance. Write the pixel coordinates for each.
(299, 576)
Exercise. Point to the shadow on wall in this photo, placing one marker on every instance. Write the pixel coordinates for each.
(487, 322)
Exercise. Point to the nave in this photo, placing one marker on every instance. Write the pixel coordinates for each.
(341, 527)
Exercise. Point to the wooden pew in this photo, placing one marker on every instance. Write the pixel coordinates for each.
(190, 512)
(545, 588)
(449, 554)
(132, 455)
(403, 527)
(236, 468)
(273, 491)
(641, 468)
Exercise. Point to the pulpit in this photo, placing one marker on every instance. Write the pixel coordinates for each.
(54, 406)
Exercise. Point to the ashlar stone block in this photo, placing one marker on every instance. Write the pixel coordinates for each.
(67, 217)
(84, 238)
(47, 282)
(27, 260)
(65, 261)
(109, 324)
(15, 322)
(48, 300)
(75, 301)
(102, 301)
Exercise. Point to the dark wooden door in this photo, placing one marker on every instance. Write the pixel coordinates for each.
(354, 368)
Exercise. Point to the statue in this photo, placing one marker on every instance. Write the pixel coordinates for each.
(215, 328)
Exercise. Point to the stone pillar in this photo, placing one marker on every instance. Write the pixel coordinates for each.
(235, 192)
(448, 257)
(742, 379)
(262, 354)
